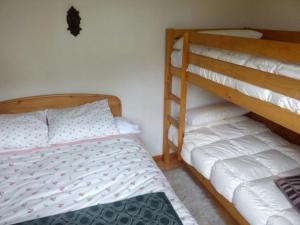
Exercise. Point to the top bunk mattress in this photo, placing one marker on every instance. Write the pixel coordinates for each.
(263, 64)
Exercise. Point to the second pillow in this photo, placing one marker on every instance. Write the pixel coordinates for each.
(92, 120)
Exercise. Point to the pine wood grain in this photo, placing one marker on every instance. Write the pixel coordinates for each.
(29, 104)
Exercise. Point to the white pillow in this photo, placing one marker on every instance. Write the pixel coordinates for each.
(213, 113)
(234, 33)
(126, 127)
(26, 130)
(92, 120)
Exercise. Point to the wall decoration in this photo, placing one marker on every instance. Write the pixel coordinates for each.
(73, 19)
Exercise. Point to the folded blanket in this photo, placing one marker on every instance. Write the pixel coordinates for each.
(149, 209)
(290, 187)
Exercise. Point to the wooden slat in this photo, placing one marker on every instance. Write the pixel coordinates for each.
(173, 121)
(280, 84)
(276, 35)
(223, 201)
(279, 115)
(175, 71)
(174, 98)
(283, 51)
(279, 35)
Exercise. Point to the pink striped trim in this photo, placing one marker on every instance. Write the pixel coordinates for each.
(21, 150)
(106, 138)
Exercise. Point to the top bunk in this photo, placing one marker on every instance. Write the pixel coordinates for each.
(261, 75)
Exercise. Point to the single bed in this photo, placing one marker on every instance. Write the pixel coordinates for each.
(45, 181)
(241, 158)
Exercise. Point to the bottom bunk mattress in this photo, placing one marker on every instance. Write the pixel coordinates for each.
(43, 182)
(242, 158)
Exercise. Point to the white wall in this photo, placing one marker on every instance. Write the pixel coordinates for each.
(120, 50)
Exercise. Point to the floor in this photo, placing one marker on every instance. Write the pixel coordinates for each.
(198, 201)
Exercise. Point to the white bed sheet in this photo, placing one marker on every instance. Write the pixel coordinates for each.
(58, 179)
(239, 154)
(266, 65)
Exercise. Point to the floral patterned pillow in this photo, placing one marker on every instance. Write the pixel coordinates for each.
(92, 120)
(26, 130)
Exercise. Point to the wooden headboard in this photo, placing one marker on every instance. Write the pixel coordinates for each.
(29, 104)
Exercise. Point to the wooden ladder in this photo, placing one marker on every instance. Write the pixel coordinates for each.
(169, 97)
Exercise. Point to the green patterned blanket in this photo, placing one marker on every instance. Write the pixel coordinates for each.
(149, 209)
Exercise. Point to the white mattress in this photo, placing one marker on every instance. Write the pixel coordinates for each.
(262, 64)
(241, 158)
(261, 202)
(196, 136)
(54, 180)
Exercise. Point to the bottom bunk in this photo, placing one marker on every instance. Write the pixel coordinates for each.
(240, 159)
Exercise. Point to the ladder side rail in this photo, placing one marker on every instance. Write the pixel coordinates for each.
(168, 88)
(184, 76)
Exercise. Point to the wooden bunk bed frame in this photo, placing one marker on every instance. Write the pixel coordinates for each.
(278, 45)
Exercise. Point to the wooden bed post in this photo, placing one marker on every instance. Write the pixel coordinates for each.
(185, 63)
(169, 96)
(168, 89)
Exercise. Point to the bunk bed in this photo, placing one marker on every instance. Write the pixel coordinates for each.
(268, 92)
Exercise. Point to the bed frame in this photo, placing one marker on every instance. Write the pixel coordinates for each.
(277, 45)
(29, 104)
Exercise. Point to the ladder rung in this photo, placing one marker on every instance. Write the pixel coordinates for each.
(174, 98)
(172, 146)
(176, 71)
(173, 121)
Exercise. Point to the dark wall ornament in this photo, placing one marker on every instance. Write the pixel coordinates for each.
(73, 19)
